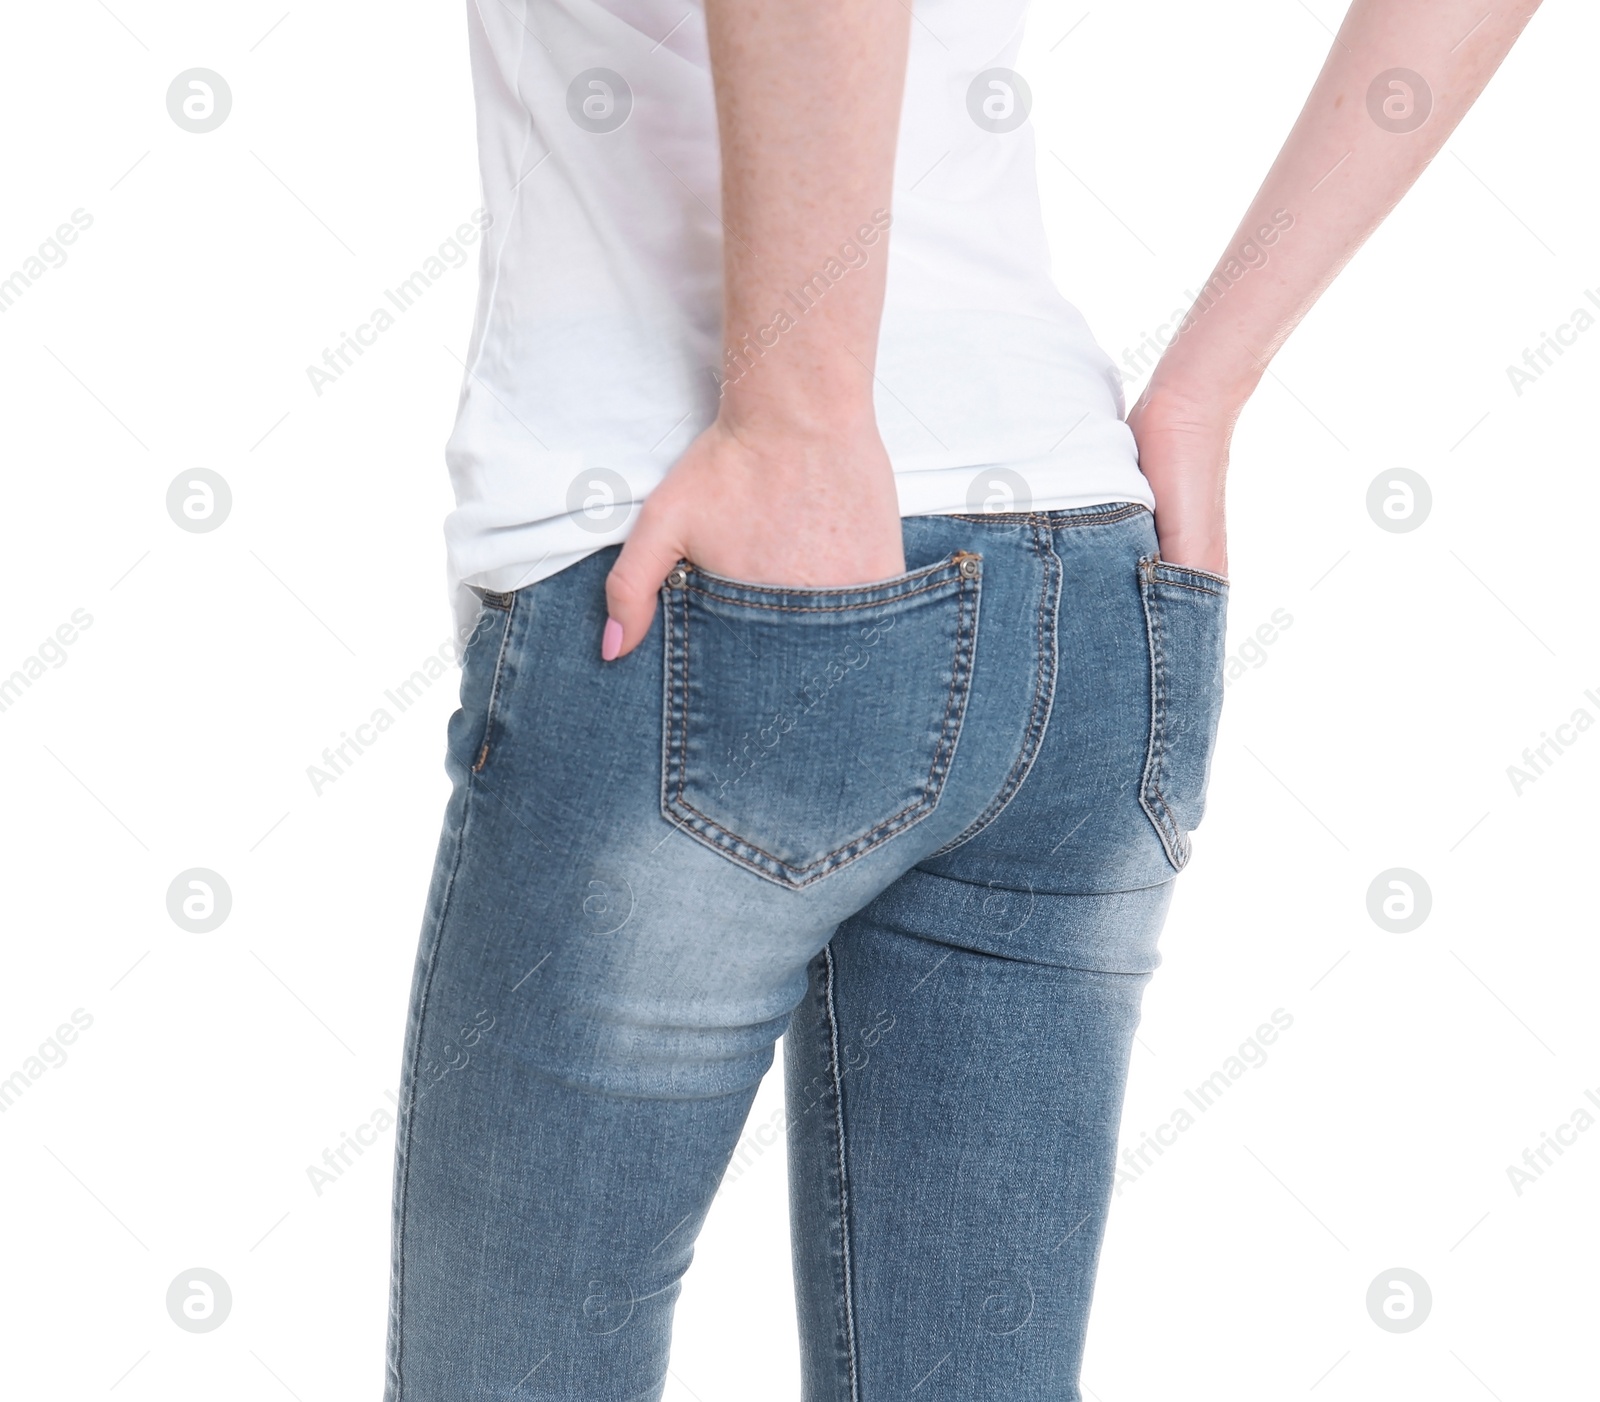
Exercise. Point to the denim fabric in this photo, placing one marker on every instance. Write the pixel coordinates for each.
(926, 828)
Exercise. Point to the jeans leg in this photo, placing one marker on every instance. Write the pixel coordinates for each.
(579, 1066)
(596, 999)
(953, 1121)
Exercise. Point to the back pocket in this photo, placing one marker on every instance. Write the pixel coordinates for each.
(805, 727)
(1186, 615)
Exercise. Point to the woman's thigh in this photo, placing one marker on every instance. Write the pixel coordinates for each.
(953, 1120)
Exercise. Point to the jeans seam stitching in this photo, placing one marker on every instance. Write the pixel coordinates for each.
(411, 1099)
(893, 582)
(874, 837)
(1109, 518)
(1038, 716)
(823, 608)
(1159, 812)
(844, 1181)
(494, 688)
(1166, 566)
(1192, 588)
(990, 886)
(677, 667)
(824, 865)
(1090, 516)
(427, 989)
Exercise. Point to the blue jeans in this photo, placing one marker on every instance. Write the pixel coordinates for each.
(926, 830)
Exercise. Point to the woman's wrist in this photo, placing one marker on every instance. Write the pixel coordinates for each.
(1194, 402)
(817, 424)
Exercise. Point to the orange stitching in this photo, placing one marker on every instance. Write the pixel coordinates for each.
(824, 608)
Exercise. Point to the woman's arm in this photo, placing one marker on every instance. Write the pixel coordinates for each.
(1364, 135)
(791, 484)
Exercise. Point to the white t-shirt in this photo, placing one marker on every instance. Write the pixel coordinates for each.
(598, 340)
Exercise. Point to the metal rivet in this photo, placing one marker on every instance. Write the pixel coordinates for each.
(969, 567)
(677, 579)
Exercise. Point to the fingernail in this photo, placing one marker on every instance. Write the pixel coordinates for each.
(611, 641)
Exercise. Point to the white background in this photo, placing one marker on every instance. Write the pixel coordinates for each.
(1376, 732)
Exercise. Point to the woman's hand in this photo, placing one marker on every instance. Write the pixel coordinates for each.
(1397, 80)
(791, 484)
(1183, 453)
(763, 505)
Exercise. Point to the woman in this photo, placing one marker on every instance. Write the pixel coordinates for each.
(840, 664)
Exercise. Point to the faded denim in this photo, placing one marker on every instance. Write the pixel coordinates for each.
(928, 829)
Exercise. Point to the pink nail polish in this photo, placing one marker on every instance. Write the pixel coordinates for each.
(611, 641)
